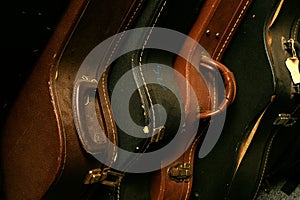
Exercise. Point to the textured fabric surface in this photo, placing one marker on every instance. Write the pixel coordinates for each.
(276, 193)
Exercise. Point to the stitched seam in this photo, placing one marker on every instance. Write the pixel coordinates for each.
(143, 47)
(161, 188)
(118, 190)
(126, 27)
(268, 152)
(110, 118)
(190, 157)
(137, 80)
(215, 103)
(296, 109)
(264, 165)
(140, 64)
(140, 61)
(232, 29)
(295, 30)
(104, 90)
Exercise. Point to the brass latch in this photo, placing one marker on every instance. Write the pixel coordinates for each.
(180, 172)
(104, 176)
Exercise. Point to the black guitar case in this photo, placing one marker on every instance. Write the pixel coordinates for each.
(263, 118)
(282, 45)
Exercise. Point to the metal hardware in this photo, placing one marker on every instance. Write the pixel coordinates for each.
(296, 89)
(285, 120)
(207, 32)
(180, 172)
(217, 35)
(292, 63)
(56, 74)
(104, 176)
(196, 194)
(158, 134)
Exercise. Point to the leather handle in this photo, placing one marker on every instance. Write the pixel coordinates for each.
(230, 87)
(91, 135)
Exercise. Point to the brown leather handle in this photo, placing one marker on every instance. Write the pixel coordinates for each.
(229, 83)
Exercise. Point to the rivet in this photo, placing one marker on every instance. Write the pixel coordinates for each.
(196, 194)
(217, 35)
(137, 148)
(207, 32)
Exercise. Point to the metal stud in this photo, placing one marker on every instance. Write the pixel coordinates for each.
(207, 32)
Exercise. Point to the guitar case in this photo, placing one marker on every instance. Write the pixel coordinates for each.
(41, 154)
(262, 123)
(141, 14)
(283, 50)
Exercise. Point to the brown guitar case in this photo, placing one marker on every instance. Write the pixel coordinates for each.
(213, 29)
(40, 151)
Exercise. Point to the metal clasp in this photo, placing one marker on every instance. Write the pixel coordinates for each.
(105, 176)
(285, 120)
(180, 172)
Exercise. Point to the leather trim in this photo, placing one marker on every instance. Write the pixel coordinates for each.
(217, 22)
(35, 159)
(214, 28)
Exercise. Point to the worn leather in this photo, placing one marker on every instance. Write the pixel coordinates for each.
(40, 147)
(211, 13)
(169, 188)
(88, 33)
(217, 22)
(33, 150)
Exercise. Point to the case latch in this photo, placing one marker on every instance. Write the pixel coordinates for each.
(104, 176)
(180, 172)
